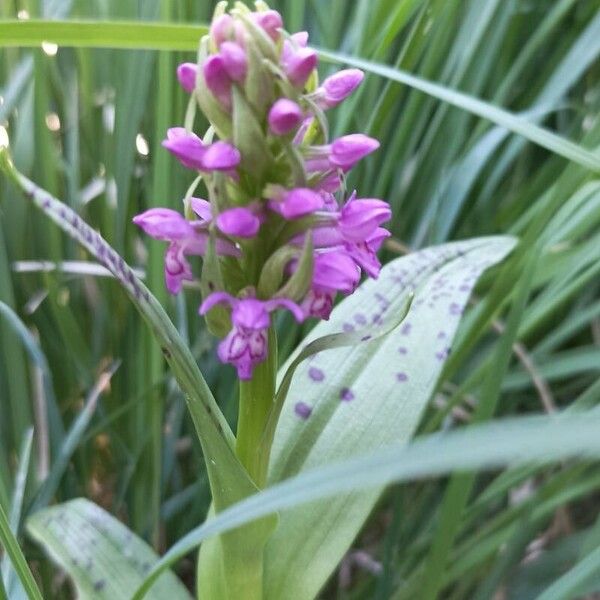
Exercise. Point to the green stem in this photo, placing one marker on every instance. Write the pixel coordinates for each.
(256, 402)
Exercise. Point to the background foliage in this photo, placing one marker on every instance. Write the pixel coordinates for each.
(86, 124)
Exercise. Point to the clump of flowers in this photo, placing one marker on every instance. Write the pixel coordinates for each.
(276, 231)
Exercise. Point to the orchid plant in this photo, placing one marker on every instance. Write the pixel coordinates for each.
(277, 231)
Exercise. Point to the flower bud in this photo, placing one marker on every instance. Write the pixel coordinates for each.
(298, 64)
(222, 29)
(338, 87)
(349, 149)
(238, 222)
(217, 79)
(285, 115)
(270, 21)
(186, 74)
(300, 38)
(234, 61)
(297, 203)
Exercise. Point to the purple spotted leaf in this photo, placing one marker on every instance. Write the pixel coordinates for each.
(104, 558)
(350, 400)
(317, 375)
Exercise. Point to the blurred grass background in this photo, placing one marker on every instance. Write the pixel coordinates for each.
(86, 124)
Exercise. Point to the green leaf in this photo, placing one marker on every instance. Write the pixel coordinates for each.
(103, 557)
(98, 34)
(515, 123)
(365, 397)
(506, 442)
(14, 552)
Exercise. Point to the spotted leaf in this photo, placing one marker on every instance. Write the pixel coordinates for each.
(350, 401)
(104, 558)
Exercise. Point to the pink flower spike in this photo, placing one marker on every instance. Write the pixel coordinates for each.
(285, 116)
(360, 218)
(349, 149)
(186, 74)
(338, 87)
(238, 222)
(217, 79)
(234, 61)
(298, 64)
(270, 21)
(297, 203)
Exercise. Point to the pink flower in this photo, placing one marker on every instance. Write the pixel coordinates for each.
(239, 222)
(246, 344)
(194, 154)
(285, 116)
(186, 74)
(338, 87)
(184, 237)
(296, 203)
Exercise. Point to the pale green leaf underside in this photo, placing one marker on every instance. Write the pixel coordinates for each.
(364, 398)
(104, 558)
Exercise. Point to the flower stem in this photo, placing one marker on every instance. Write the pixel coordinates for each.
(256, 402)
